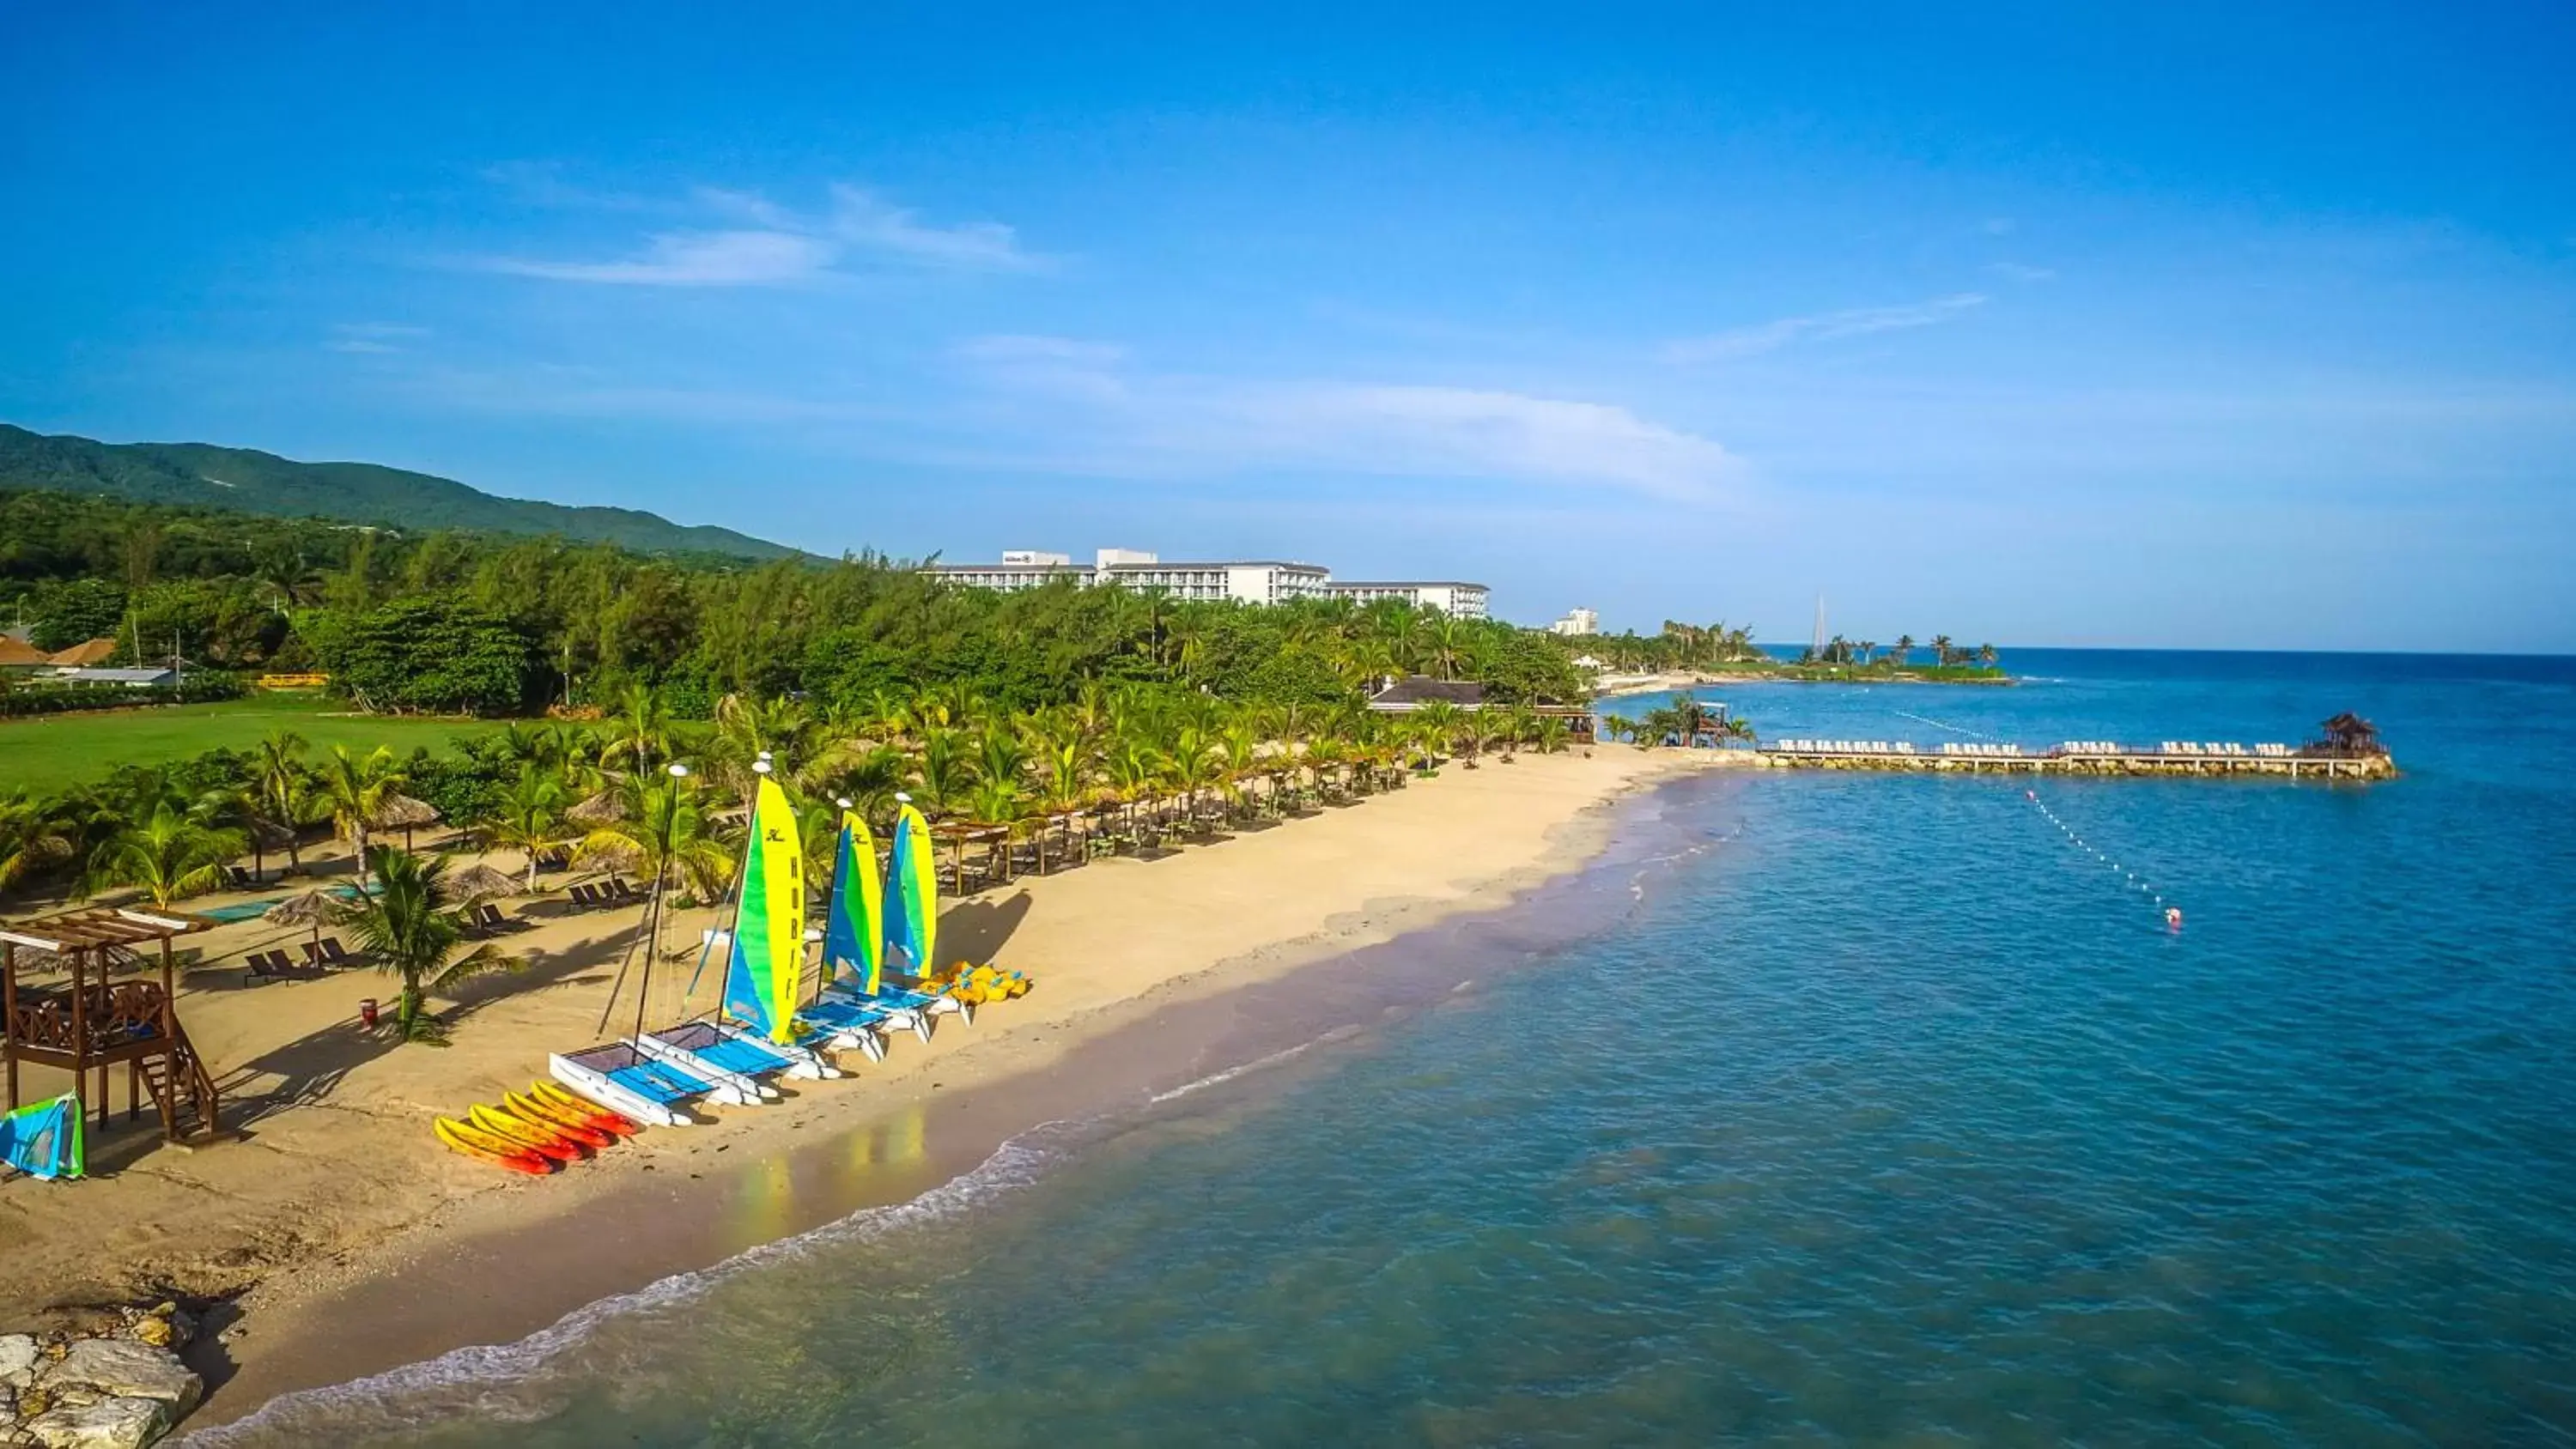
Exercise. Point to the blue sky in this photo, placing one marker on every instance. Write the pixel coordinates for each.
(2236, 326)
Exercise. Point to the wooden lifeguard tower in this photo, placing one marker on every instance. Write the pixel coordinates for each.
(93, 1022)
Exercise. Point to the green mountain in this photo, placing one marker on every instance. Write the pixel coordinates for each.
(205, 476)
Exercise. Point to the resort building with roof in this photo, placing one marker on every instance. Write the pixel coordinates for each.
(1250, 581)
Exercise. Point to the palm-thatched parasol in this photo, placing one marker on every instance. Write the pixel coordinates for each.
(403, 813)
(307, 908)
(266, 836)
(602, 809)
(477, 883)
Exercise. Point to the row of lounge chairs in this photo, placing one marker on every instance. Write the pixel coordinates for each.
(1980, 751)
(321, 955)
(1847, 747)
(2088, 747)
(2194, 748)
(611, 891)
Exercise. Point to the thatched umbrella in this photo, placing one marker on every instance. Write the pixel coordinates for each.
(307, 908)
(403, 813)
(478, 883)
(600, 810)
(266, 836)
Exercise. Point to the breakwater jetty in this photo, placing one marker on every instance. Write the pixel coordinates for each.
(2347, 749)
(2062, 760)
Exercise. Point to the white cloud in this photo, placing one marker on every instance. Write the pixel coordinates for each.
(1823, 327)
(763, 244)
(697, 259)
(372, 337)
(1097, 416)
(864, 219)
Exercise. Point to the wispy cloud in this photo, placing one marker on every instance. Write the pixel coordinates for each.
(373, 337)
(1100, 415)
(1823, 327)
(760, 243)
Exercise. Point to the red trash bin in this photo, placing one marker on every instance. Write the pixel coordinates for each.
(367, 1013)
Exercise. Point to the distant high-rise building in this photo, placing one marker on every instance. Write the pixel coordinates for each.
(1577, 621)
(1454, 598)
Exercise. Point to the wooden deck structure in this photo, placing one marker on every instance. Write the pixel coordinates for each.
(2348, 749)
(92, 1022)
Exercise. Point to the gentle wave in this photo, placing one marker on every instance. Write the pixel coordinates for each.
(462, 1380)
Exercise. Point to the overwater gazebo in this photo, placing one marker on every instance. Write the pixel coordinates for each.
(2349, 736)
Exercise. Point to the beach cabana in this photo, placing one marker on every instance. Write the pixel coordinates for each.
(403, 813)
(478, 883)
(2349, 736)
(311, 908)
(596, 811)
(91, 1022)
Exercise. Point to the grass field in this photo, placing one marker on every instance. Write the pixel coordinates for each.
(50, 752)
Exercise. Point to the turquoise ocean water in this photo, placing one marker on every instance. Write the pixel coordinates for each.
(1861, 1109)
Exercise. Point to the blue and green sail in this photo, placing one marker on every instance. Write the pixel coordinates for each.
(854, 934)
(44, 1140)
(768, 956)
(912, 894)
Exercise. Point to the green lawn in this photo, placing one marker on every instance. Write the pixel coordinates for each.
(50, 752)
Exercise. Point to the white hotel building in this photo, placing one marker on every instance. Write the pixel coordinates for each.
(1252, 581)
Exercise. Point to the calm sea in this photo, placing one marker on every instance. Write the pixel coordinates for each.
(1864, 1109)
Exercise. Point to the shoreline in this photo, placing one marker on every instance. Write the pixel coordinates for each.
(1460, 846)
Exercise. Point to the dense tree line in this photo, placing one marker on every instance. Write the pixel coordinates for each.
(446, 622)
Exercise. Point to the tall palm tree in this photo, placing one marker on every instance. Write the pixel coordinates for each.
(1986, 655)
(943, 771)
(641, 727)
(1904, 647)
(355, 788)
(282, 790)
(1439, 722)
(168, 853)
(528, 818)
(1941, 649)
(666, 835)
(406, 928)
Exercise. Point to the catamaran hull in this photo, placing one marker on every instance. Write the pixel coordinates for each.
(731, 1088)
(913, 1019)
(598, 1088)
(803, 1064)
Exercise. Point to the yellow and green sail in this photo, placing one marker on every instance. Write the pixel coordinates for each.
(912, 894)
(768, 958)
(854, 935)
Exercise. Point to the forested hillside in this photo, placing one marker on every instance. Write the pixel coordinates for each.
(202, 475)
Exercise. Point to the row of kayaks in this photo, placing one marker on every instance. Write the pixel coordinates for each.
(535, 1131)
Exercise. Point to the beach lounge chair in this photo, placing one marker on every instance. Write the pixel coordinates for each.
(267, 966)
(626, 1081)
(585, 896)
(334, 955)
(488, 916)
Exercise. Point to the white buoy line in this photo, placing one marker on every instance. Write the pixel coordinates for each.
(2130, 877)
(1946, 725)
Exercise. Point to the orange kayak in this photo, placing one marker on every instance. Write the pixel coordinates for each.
(589, 1134)
(527, 1136)
(484, 1147)
(550, 1095)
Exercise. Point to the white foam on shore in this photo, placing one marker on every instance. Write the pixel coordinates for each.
(1229, 1074)
(467, 1380)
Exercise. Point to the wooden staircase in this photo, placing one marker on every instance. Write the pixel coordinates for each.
(182, 1089)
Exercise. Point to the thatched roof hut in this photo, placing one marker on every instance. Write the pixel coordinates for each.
(2350, 735)
(403, 813)
(596, 811)
(313, 908)
(480, 883)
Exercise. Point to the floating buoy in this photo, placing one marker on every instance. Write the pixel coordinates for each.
(2173, 918)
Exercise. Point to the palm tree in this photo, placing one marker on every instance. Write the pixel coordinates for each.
(663, 831)
(641, 727)
(1986, 655)
(528, 818)
(407, 929)
(282, 790)
(170, 854)
(1940, 649)
(1552, 733)
(31, 834)
(944, 772)
(355, 788)
(1904, 647)
(869, 779)
(1439, 721)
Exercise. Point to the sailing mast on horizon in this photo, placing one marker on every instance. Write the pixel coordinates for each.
(1816, 650)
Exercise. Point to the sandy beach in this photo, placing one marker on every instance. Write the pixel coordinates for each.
(336, 1180)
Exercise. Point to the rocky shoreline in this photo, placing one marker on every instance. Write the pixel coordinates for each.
(110, 1379)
